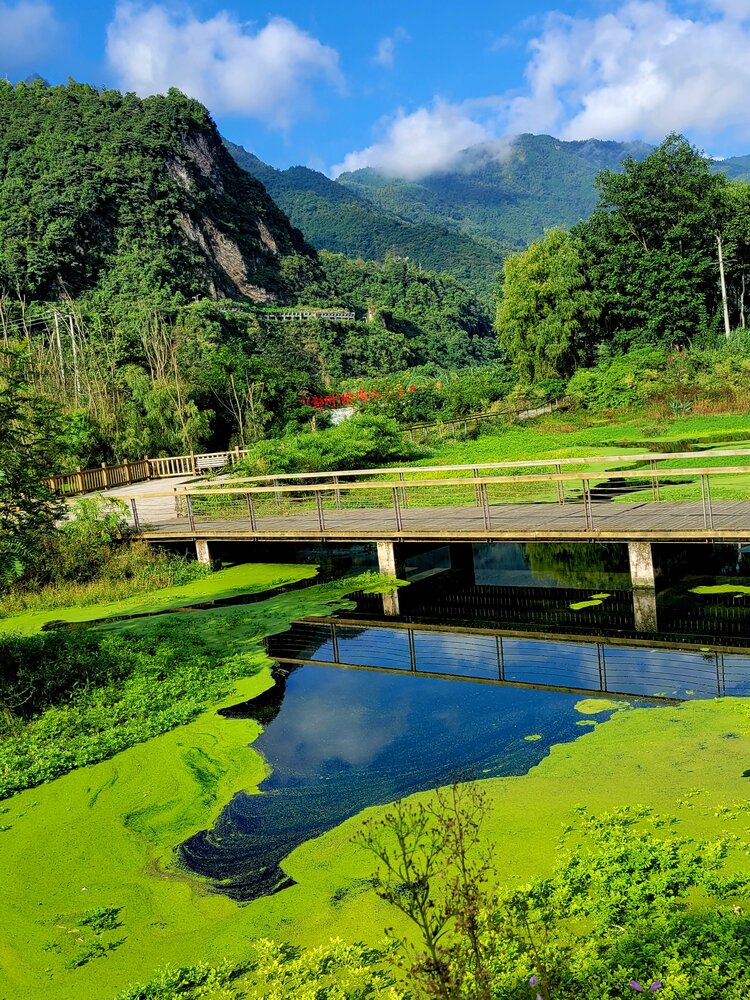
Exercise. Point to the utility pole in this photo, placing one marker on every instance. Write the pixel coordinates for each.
(723, 286)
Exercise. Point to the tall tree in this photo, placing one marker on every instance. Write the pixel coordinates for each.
(546, 312)
(28, 509)
(651, 247)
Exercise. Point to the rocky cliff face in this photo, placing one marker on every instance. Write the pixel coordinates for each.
(101, 191)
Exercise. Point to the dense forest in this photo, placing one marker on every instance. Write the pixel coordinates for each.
(139, 268)
(661, 264)
(336, 217)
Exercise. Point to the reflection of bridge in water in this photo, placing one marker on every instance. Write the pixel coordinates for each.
(662, 671)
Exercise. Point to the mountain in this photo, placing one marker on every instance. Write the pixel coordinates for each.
(104, 192)
(736, 168)
(337, 218)
(505, 192)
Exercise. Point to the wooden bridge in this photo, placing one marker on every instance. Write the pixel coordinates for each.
(677, 497)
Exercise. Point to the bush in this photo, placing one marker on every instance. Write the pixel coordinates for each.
(624, 381)
(366, 439)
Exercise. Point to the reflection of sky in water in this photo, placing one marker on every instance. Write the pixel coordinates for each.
(343, 740)
(346, 739)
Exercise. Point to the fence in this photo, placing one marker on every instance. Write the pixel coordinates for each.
(106, 477)
(470, 506)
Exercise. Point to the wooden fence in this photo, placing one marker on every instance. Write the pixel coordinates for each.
(106, 477)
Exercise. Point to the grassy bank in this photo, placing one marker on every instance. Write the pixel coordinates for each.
(224, 585)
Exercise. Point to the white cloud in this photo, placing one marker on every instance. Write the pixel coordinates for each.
(641, 70)
(385, 52)
(28, 30)
(269, 73)
(421, 143)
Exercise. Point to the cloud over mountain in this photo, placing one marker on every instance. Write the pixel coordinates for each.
(640, 70)
(270, 73)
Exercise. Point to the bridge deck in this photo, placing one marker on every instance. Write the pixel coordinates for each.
(664, 521)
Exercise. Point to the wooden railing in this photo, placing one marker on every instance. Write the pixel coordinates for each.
(472, 422)
(455, 506)
(106, 477)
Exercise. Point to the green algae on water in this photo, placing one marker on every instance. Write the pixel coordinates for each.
(533, 737)
(246, 578)
(104, 836)
(590, 602)
(737, 589)
(593, 706)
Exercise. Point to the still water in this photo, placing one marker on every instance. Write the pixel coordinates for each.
(491, 647)
(339, 740)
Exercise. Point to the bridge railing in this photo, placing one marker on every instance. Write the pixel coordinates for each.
(475, 506)
(655, 461)
(106, 477)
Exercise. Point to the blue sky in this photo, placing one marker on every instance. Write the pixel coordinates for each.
(404, 86)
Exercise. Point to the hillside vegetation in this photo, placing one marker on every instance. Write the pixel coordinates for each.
(336, 218)
(139, 268)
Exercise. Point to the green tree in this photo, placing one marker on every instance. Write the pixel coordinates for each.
(28, 440)
(546, 312)
(650, 249)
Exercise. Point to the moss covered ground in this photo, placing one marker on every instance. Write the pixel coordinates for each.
(102, 838)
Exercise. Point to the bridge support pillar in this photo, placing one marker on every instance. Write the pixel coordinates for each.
(643, 579)
(388, 566)
(202, 551)
(644, 609)
(641, 565)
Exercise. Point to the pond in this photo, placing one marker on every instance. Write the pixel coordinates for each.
(339, 740)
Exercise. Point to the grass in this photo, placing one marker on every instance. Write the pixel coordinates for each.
(136, 568)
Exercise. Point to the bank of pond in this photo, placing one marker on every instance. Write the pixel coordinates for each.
(184, 776)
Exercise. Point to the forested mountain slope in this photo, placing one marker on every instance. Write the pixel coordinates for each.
(137, 265)
(104, 191)
(337, 218)
(506, 193)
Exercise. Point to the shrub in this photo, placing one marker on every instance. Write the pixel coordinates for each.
(366, 439)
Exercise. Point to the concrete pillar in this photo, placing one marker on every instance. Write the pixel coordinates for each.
(388, 567)
(641, 565)
(644, 609)
(202, 551)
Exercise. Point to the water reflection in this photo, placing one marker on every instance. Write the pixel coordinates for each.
(342, 740)
(661, 671)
